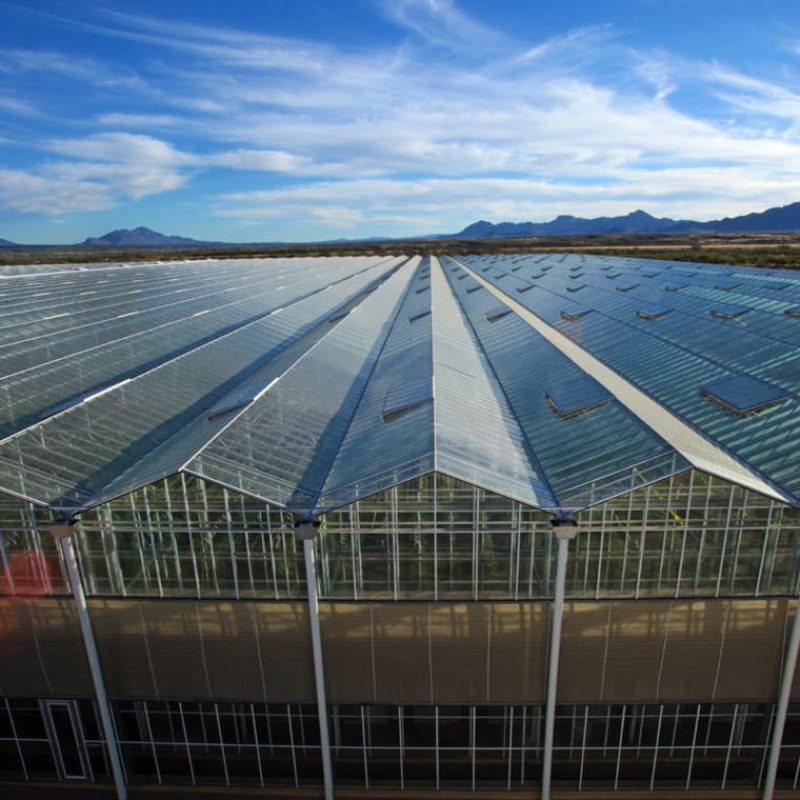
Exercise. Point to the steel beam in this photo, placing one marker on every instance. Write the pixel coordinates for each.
(306, 531)
(564, 530)
(787, 679)
(63, 533)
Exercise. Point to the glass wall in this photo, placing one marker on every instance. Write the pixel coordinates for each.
(430, 538)
(712, 746)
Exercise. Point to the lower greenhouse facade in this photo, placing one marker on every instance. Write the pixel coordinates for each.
(435, 605)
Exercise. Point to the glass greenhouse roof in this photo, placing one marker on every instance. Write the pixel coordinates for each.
(310, 383)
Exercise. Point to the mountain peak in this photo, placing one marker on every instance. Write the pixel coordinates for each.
(138, 237)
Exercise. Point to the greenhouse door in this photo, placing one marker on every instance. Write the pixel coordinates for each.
(66, 738)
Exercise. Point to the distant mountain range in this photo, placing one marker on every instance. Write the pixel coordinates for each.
(785, 218)
(773, 220)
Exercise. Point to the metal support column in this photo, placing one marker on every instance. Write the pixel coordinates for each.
(307, 532)
(564, 530)
(63, 533)
(789, 668)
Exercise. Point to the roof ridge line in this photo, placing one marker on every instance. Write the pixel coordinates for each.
(529, 445)
(318, 494)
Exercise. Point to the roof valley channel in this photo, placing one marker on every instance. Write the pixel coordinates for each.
(478, 437)
(282, 447)
(685, 439)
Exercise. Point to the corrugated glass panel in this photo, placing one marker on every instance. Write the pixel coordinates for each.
(146, 427)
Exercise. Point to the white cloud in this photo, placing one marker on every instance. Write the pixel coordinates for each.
(442, 23)
(517, 129)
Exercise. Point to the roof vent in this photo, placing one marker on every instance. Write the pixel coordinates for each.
(649, 274)
(338, 317)
(405, 398)
(576, 288)
(626, 287)
(527, 288)
(794, 311)
(420, 315)
(574, 275)
(496, 312)
(652, 312)
(517, 268)
(575, 313)
(742, 395)
(676, 287)
(573, 397)
(729, 311)
(612, 275)
(423, 289)
(226, 407)
(726, 286)
(462, 276)
(473, 289)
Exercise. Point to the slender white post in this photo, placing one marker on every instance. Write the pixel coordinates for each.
(564, 530)
(789, 667)
(307, 532)
(63, 533)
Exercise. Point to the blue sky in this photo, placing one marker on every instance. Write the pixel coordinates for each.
(258, 120)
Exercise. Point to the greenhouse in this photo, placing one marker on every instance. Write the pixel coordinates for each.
(524, 523)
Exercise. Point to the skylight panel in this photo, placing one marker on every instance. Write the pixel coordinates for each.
(575, 313)
(496, 312)
(741, 394)
(573, 397)
(729, 311)
(402, 399)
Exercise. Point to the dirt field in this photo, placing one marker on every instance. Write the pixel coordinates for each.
(763, 250)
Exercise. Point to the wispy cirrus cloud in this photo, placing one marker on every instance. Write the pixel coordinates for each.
(577, 122)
